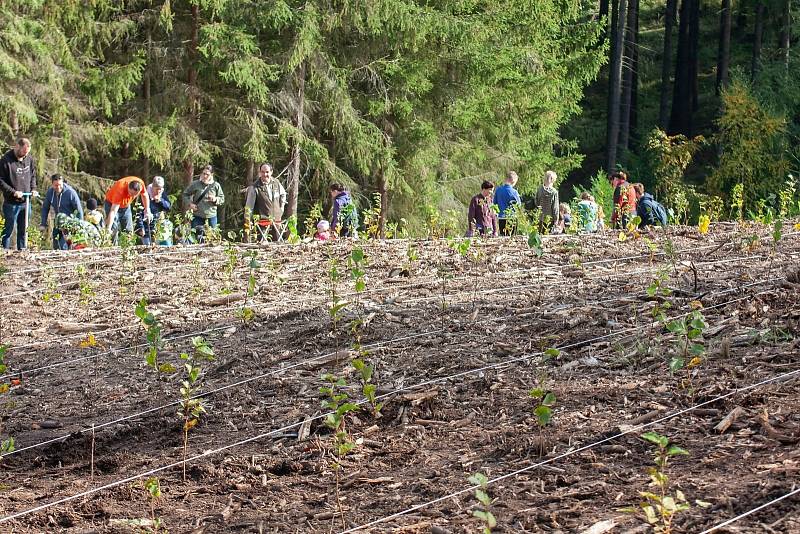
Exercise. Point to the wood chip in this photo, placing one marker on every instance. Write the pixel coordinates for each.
(729, 419)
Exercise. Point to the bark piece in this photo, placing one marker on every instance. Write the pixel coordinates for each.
(729, 419)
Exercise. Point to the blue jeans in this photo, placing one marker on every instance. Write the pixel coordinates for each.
(199, 224)
(59, 243)
(14, 215)
(123, 221)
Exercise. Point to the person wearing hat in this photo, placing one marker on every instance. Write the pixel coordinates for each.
(60, 198)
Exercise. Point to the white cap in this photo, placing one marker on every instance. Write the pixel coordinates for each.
(323, 226)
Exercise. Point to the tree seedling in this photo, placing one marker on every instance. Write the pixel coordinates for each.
(544, 401)
(535, 243)
(155, 339)
(153, 488)
(335, 400)
(659, 507)
(688, 345)
(365, 372)
(51, 285)
(231, 259)
(192, 407)
(84, 286)
(484, 502)
(246, 313)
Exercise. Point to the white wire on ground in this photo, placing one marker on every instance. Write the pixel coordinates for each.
(386, 395)
(537, 284)
(749, 512)
(258, 437)
(637, 428)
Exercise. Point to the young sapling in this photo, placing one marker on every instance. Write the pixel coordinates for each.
(484, 502)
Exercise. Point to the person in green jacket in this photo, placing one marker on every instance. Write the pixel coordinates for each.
(547, 200)
(202, 197)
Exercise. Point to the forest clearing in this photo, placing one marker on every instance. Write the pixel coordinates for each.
(536, 364)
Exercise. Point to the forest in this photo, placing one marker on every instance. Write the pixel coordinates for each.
(410, 104)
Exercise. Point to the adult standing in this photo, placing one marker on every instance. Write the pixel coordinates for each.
(202, 197)
(344, 217)
(60, 198)
(117, 205)
(17, 178)
(481, 217)
(547, 201)
(506, 197)
(265, 199)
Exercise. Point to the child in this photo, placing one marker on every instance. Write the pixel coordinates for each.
(93, 215)
(323, 231)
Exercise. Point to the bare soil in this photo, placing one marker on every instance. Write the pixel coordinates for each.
(456, 342)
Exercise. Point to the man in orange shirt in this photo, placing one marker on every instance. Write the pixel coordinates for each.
(118, 203)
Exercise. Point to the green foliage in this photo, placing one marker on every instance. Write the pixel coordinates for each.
(753, 144)
(600, 188)
(535, 243)
(336, 401)
(484, 502)
(191, 407)
(658, 507)
(669, 157)
(689, 348)
(367, 387)
(154, 336)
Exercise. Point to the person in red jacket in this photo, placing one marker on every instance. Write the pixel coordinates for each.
(624, 200)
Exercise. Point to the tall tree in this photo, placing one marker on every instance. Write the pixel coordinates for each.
(670, 15)
(615, 83)
(758, 37)
(724, 52)
(694, 56)
(630, 79)
(786, 31)
(681, 117)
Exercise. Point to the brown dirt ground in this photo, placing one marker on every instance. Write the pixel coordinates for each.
(486, 320)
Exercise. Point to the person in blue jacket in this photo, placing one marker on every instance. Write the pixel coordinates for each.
(344, 217)
(650, 211)
(61, 198)
(505, 197)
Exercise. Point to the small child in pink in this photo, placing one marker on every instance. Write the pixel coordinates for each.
(323, 231)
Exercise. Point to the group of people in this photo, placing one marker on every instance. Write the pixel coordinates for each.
(265, 202)
(495, 212)
(491, 212)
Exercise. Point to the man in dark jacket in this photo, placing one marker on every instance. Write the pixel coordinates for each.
(17, 177)
(61, 198)
(651, 212)
(344, 217)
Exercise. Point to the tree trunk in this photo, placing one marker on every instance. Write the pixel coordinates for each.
(13, 123)
(384, 192)
(191, 81)
(666, 64)
(250, 175)
(694, 58)
(786, 31)
(633, 123)
(629, 69)
(758, 36)
(724, 53)
(293, 185)
(680, 118)
(147, 106)
(615, 79)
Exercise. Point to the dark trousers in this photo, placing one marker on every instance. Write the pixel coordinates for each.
(199, 226)
(507, 226)
(59, 243)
